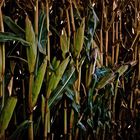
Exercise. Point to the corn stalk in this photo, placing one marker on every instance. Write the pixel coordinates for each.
(31, 57)
(2, 58)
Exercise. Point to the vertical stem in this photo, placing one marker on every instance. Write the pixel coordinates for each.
(117, 47)
(47, 110)
(46, 121)
(120, 26)
(68, 22)
(131, 101)
(106, 48)
(114, 99)
(139, 66)
(72, 17)
(31, 80)
(48, 38)
(101, 34)
(2, 59)
(106, 38)
(113, 46)
(65, 118)
(36, 18)
(30, 129)
(132, 92)
(71, 123)
(47, 117)
(135, 53)
(113, 33)
(49, 123)
(77, 82)
(136, 12)
(101, 46)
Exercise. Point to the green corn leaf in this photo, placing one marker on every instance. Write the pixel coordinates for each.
(42, 35)
(20, 130)
(39, 80)
(58, 92)
(106, 79)
(64, 42)
(14, 27)
(122, 70)
(6, 113)
(6, 37)
(70, 93)
(57, 75)
(79, 39)
(32, 50)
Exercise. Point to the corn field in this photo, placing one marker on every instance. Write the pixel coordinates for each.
(70, 69)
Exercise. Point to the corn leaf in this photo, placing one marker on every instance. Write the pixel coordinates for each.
(6, 113)
(68, 78)
(32, 50)
(42, 36)
(57, 75)
(79, 39)
(19, 131)
(6, 37)
(14, 27)
(39, 80)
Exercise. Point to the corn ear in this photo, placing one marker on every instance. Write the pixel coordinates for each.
(38, 81)
(32, 49)
(122, 69)
(79, 39)
(6, 113)
(105, 80)
(55, 63)
(56, 76)
(64, 42)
